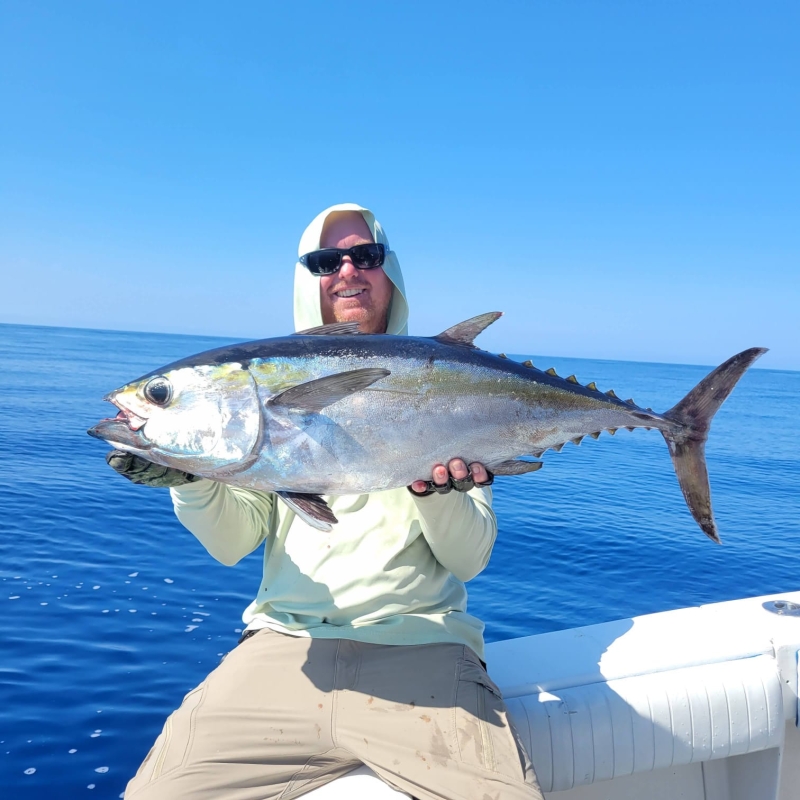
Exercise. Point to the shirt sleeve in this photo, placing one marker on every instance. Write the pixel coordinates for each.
(460, 528)
(229, 522)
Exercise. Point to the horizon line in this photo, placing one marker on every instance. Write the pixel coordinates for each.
(252, 339)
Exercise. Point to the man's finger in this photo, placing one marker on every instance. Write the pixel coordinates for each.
(440, 475)
(454, 476)
(479, 472)
(458, 469)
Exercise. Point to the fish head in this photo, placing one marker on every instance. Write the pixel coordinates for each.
(195, 418)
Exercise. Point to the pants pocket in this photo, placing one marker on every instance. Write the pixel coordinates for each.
(173, 743)
(483, 729)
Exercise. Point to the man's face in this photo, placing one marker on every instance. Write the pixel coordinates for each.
(353, 295)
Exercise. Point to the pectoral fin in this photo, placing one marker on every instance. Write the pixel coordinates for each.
(315, 395)
(311, 508)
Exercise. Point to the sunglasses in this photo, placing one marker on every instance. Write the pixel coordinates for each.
(329, 261)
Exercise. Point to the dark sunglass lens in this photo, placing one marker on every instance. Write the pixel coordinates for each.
(324, 262)
(367, 256)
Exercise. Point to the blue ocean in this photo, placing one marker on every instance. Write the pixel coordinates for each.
(111, 611)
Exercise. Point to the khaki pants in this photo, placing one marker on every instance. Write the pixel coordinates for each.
(283, 715)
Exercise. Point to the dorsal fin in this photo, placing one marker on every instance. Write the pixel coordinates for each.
(334, 329)
(465, 332)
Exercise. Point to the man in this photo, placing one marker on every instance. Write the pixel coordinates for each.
(358, 648)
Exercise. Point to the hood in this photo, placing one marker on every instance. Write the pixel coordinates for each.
(307, 312)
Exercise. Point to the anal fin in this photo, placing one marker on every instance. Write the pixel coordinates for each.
(514, 467)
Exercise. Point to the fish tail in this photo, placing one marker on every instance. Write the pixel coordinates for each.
(687, 442)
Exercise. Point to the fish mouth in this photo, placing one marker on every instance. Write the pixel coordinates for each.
(135, 422)
(122, 430)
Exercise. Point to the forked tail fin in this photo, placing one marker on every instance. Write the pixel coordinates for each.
(687, 445)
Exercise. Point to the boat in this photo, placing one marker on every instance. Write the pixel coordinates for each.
(698, 703)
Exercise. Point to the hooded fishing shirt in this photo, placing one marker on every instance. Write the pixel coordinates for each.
(393, 568)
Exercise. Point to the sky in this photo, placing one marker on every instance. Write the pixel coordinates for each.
(620, 178)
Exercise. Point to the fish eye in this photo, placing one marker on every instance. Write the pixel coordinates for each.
(158, 391)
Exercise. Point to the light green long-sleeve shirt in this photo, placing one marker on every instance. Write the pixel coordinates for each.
(392, 571)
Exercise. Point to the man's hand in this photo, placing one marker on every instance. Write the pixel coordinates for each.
(454, 476)
(146, 473)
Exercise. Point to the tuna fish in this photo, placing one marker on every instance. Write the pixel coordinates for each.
(330, 411)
